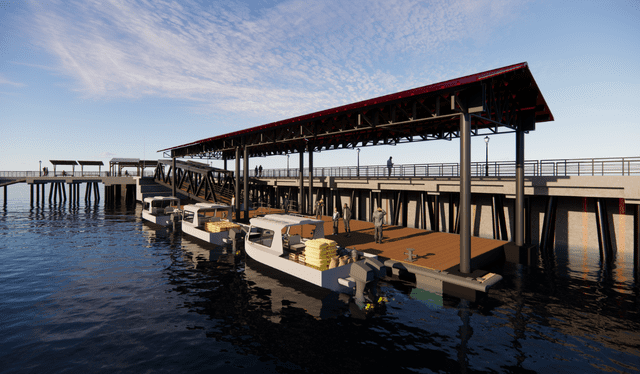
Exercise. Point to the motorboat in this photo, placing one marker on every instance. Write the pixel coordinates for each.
(158, 209)
(274, 237)
(209, 222)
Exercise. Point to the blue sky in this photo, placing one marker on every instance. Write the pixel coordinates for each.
(93, 80)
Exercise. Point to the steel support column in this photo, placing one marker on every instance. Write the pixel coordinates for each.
(310, 148)
(519, 209)
(246, 184)
(236, 192)
(173, 177)
(301, 184)
(636, 238)
(465, 193)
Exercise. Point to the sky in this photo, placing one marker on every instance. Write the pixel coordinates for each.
(94, 80)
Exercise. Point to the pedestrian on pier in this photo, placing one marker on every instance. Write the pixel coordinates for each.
(336, 219)
(346, 216)
(256, 172)
(389, 165)
(260, 170)
(286, 204)
(378, 220)
(318, 209)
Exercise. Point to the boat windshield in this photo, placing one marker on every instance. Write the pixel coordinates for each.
(164, 203)
(262, 236)
(302, 231)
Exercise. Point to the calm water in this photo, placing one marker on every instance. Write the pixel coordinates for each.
(94, 289)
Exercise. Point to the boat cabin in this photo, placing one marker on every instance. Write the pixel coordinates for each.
(275, 232)
(196, 215)
(161, 205)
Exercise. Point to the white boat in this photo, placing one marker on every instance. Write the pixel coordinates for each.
(195, 216)
(265, 244)
(158, 209)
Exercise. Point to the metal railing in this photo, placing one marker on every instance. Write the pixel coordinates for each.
(555, 168)
(59, 173)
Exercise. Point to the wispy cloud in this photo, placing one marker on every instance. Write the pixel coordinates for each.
(291, 58)
(106, 155)
(4, 80)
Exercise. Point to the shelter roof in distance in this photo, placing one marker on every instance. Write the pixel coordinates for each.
(91, 163)
(500, 101)
(63, 162)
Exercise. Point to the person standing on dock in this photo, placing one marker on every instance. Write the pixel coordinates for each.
(286, 204)
(260, 170)
(378, 220)
(256, 172)
(336, 219)
(390, 165)
(346, 216)
(318, 209)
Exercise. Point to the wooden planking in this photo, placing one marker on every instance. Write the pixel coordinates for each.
(435, 250)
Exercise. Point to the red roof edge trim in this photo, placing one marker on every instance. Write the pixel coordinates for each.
(394, 96)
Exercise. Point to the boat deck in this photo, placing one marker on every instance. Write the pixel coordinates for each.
(432, 250)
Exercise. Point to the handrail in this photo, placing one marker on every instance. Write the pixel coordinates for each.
(549, 167)
(23, 174)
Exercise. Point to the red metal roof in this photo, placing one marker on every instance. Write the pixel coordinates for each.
(383, 99)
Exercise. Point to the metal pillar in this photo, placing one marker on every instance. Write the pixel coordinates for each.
(173, 177)
(465, 193)
(519, 209)
(604, 235)
(236, 191)
(310, 149)
(31, 195)
(636, 237)
(301, 184)
(246, 184)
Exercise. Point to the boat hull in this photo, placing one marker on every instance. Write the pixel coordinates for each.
(217, 238)
(158, 220)
(326, 279)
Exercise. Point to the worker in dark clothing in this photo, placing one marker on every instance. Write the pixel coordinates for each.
(317, 211)
(378, 220)
(286, 204)
(346, 216)
(336, 219)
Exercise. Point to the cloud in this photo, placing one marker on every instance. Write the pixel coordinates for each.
(106, 155)
(287, 59)
(4, 80)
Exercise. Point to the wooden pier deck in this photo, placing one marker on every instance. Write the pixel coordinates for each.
(433, 250)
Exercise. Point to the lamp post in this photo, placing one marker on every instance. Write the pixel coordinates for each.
(486, 141)
(358, 169)
(40, 168)
(287, 165)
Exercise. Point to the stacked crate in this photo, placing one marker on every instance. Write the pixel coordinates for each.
(220, 226)
(318, 253)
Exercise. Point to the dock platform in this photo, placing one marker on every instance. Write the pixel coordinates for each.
(436, 256)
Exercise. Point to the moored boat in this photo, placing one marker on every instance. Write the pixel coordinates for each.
(158, 209)
(275, 239)
(209, 222)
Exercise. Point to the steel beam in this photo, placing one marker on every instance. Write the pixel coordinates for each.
(519, 210)
(465, 193)
(173, 177)
(301, 209)
(246, 185)
(237, 186)
(310, 148)
(636, 238)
